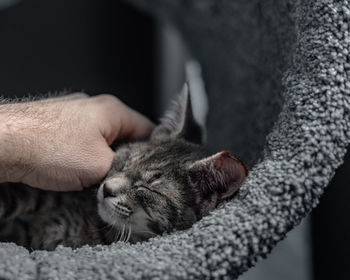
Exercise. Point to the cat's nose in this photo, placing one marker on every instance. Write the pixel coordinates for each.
(108, 191)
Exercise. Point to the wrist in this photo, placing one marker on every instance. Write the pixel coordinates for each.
(13, 159)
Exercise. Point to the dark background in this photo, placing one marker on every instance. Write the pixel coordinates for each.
(331, 228)
(95, 46)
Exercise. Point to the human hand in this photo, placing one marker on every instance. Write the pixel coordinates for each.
(62, 144)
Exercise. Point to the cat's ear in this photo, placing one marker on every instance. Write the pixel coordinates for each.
(221, 175)
(178, 121)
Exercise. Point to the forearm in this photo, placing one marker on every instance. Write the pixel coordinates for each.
(13, 156)
(32, 136)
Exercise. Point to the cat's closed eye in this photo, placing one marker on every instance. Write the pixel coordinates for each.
(156, 176)
(142, 188)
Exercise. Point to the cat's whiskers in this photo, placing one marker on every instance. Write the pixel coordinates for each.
(115, 227)
(126, 234)
(123, 236)
(129, 234)
(120, 233)
(110, 230)
(123, 233)
(117, 233)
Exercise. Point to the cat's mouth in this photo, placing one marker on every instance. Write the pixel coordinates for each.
(114, 211)
(137, 222)
(111, 215)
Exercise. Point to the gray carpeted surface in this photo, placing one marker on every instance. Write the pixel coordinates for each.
(255, 54)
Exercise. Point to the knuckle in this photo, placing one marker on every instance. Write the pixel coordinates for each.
(107, 98)
(100, 169)
(79, 95)
(108, 103)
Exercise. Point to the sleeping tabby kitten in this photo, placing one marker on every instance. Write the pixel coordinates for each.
(163, 184)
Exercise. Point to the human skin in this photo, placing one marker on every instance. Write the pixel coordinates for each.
(63, 143)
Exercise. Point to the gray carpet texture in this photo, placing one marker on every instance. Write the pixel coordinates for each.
(277, 76)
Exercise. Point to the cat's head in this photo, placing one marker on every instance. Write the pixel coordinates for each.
(168, 182)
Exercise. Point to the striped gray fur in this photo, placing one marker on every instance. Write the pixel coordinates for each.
(166, 183)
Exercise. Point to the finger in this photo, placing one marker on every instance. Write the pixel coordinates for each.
(138, 127)
(72, 96)
(121, 122)
(98, 166)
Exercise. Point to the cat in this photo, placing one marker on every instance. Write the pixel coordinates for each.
(160, 185)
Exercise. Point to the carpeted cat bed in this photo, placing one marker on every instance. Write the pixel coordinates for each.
(277, 77)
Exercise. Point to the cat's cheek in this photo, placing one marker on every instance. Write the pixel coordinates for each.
(102, 211)
(101, 207)
(100, 194)
(106, 213)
